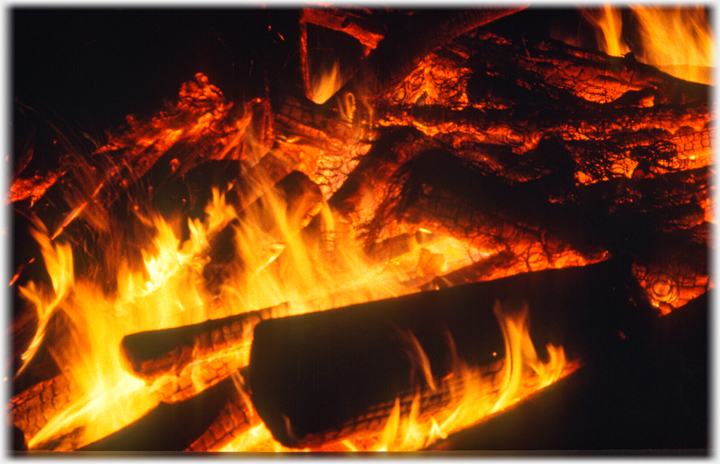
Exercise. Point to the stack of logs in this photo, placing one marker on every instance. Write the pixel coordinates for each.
(541, 154)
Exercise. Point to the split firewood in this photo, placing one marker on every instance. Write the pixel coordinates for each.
(152, 354)
(365, 186)
(33, 408)
(315, 372)
(166, 427)
(403, 48)
(542, 221)
(235, 419)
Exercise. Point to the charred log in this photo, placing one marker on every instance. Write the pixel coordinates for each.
(32, 409)
(152, 354)
(403, 48)
(320, 370)
(235, 418)
(169, 427)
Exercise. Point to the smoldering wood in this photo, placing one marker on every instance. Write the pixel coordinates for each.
(656, 220)
(484, 269)
(405, 46)
(320, 370)
(355, 22)
(33, 408)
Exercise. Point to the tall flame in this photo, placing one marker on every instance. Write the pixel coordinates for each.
(678, 40)
(169, 290)
(608, 22)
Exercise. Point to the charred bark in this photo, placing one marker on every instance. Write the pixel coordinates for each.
(658, 220)
(315, 372)
(152, 354)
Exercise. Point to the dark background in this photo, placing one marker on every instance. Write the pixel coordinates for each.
(84, 70)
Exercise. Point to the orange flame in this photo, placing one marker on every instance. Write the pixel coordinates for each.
(675, 39)
(168, 291)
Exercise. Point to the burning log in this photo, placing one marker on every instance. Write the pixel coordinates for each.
(404, 48)
(616, 404)
(313, 373)
(235, 418)
(34, 407)
(532, 153)
(169, 427)
(149, 355)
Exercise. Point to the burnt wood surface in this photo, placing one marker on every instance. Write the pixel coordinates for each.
(151, 354)
(323, 369)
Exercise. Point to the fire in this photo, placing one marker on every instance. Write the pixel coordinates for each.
(284, 250)
(675, 39)
(170, 290)
(326, 83)
(608, 21)
(475, 396)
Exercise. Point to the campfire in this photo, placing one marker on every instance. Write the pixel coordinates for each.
(431, 230)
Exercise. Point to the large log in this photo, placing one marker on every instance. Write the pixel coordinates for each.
(313, 373)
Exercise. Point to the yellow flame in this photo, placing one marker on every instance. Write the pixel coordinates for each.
(326, 83)
(59, 264)
(169, 291)
(608, 21)
(678, 40)
(675, 39)
(274, 266)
